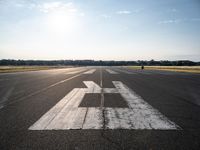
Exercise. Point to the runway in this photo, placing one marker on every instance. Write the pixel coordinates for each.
(99, 108)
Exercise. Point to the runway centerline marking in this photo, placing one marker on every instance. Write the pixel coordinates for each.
(67, 114)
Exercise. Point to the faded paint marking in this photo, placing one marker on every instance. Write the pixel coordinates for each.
(111, 71)
(67, 115)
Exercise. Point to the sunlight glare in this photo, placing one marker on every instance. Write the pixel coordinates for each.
(60, 21)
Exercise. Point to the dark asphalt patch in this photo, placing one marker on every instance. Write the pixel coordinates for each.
(91, 100)
(114, 100)
(110, 100)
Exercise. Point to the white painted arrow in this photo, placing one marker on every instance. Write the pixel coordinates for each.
(67, 115)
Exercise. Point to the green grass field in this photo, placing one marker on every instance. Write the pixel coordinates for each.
(191, 69)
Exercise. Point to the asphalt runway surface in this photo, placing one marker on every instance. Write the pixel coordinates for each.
(99, 108)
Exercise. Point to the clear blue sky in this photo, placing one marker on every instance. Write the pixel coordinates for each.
(103, 29)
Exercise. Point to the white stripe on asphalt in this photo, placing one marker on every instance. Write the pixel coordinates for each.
(67, 115)
(140, 114)
(111, 71)
(42, 90)
(94, 119)
(74, 72)
(124, 71)
(90, 71)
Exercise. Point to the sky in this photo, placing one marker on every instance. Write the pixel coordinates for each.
(100, 29)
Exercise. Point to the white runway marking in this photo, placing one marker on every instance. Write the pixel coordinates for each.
(74, 72)
(90, 71)
(7, 94)
(124, 71)
(67, 115)
(111, 71)
(44, 89)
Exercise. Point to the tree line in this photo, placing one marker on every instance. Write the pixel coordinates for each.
(7, 62)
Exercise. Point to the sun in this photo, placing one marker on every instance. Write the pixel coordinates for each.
(60, 21)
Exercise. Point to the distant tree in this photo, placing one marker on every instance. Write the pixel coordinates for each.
(6, 62)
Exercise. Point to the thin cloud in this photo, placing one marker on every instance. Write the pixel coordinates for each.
(57, 6)
(175, 21)
(19, 5)
(170, 21)
(123, 12)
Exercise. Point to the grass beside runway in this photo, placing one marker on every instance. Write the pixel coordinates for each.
(190, 69)
(8, 69)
